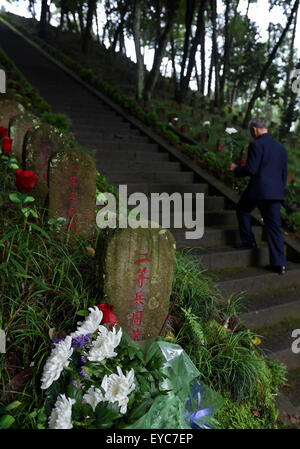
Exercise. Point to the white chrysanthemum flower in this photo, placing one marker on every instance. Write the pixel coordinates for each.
(61, 414)
(117, 387)
(93, 397)
(104, 345)
(231, 130)
(207, 123)
(57, 361)
(90, 324)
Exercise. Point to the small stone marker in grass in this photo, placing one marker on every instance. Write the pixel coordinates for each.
(42, 142)
(135, 269)
(18, 127)
(72, 191)
(9, 107)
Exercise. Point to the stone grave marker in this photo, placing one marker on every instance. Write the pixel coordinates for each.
(135, 268)
(41, 142)
(18, 127)
(9, 107)
(72, 191)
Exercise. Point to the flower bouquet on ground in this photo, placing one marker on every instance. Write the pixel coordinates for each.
(99, 378)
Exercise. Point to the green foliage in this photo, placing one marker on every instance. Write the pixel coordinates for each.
(294, 221)
(194, 289)
(246, 416)
(212, 161)
(59, 121)
(6, 419)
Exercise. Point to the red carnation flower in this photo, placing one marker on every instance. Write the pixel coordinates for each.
(26, 180)
(242, 163)
(6, 144)
(220, 148)
(108, 314)
(293, 180)
(3, 132)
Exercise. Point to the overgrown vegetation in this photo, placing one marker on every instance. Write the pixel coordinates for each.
(47, 277)
(198, 117)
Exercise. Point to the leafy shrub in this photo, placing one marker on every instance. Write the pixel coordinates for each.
(294, 221)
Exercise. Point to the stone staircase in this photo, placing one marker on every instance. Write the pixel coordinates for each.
(128, 153)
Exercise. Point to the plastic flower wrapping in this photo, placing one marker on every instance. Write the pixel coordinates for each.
(99, 378)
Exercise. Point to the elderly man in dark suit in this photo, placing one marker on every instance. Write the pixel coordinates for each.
(267, 167)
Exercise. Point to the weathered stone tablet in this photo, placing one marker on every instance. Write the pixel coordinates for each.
(72, 191)
(41, 142)
(18, 127)
(135, 269)
(9, 107)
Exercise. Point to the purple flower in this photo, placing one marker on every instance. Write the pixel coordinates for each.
(81, 341)
(83, 373)
(74, 383)
(83, 359)
(55, 342)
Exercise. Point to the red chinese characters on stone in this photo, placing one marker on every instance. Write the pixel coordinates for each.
(139, 300)
(136, 334)
(141, 277)
(136, 318)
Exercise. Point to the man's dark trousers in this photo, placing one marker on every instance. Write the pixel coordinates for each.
(267, 167)
(270, 212)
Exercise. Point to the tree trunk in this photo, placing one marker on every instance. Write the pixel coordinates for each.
(215, 55)
(211, 68)
(290, 64)
(97, 24)
(202, 42)
(171, 11)
(88, 27)
(174, 73)
(43, 20)
(75, 22)
(62, 18)
(137, 11)
(227, 45)
(192, 55)
(31, 8)
(235, 87)
(267, 65)
(189, 14)
(80, 15)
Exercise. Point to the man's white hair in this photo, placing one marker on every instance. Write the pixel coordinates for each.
(258, 123)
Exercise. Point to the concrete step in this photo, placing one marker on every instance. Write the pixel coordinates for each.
(96, 125)
(277, 342)
(189, 207)
(218, 258)
(268, 308)
(131, 156)
(220, 236)
(211, 203)
(130, 145)
(110, 166)
(221, 217)
(254, 280)
(96, 137)
(123, 177)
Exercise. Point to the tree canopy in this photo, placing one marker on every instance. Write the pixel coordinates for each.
(212, 46)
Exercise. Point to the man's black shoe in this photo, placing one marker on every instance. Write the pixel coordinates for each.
(246, 246)
(277, 269)
(281, 270)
